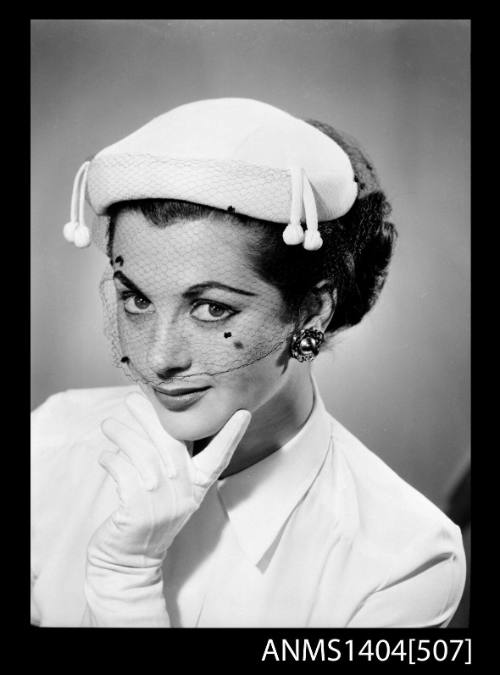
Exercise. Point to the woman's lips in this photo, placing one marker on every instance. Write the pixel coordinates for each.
(179, 399)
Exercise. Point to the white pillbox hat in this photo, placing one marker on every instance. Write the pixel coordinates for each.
(230, 153)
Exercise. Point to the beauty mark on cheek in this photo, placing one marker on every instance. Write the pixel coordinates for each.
(237, 344)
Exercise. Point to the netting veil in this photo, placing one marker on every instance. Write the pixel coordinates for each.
(163, 317)
(181, 293)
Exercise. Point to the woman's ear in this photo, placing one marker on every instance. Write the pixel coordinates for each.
(319, 306)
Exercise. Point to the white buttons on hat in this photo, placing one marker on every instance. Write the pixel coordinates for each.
(75, 231)
(303, 201)
(312, 237)
(69, 231)
(81, 236)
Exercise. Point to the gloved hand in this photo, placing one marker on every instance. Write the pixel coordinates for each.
(159, 486)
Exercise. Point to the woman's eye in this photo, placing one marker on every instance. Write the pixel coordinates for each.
(136, 304)
(211, 311)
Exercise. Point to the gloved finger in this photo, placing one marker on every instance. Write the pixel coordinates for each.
(139, 451)
(212, 461)
(121, 471)
(172, 452)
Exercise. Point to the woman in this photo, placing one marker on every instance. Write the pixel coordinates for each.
(217, 490)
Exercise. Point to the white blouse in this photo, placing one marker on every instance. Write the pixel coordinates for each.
(322, 533)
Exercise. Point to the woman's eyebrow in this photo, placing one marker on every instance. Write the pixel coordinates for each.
(190, 292)
(198, 288)
(127, 282)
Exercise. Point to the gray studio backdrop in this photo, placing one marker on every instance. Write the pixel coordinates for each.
(400, 380)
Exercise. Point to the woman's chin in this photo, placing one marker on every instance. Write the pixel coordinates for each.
(192, 424)
(189, 426)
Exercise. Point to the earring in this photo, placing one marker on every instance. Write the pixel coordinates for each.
(305, 344)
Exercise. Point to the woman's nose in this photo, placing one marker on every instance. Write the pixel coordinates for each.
(169, 353)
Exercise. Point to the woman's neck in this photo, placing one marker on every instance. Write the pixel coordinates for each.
(273, 424)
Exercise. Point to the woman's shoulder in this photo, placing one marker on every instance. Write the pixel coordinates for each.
(81, 401)
(414, 550)
(66, 436)
(74, 413)
(71, 493)
(388, 510)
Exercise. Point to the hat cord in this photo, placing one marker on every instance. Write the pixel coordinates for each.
(312, 238)
(293, 234)
(75, 231)
(302, 200)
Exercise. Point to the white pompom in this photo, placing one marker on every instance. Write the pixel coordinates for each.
(82, 236)
(312, 240)
(69, 231)
(293, 234)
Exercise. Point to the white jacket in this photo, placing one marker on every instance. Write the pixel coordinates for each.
(322, 533)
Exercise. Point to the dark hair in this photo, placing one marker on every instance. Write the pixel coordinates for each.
(355, 255)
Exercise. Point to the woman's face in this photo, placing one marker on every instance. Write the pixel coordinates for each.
(193, 315)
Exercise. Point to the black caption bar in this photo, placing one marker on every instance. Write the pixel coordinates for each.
(280, 647)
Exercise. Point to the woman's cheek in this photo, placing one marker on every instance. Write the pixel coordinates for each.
(248, 388)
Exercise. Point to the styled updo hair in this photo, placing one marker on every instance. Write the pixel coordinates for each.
(354, 258)
(356, 252)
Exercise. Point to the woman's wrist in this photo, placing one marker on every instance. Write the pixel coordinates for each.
(125, 597)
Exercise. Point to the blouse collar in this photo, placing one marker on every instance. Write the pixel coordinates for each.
(259, 499)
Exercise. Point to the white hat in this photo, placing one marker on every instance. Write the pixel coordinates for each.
(233, 154)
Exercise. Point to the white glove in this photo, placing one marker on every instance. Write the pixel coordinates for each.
(160, 486)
